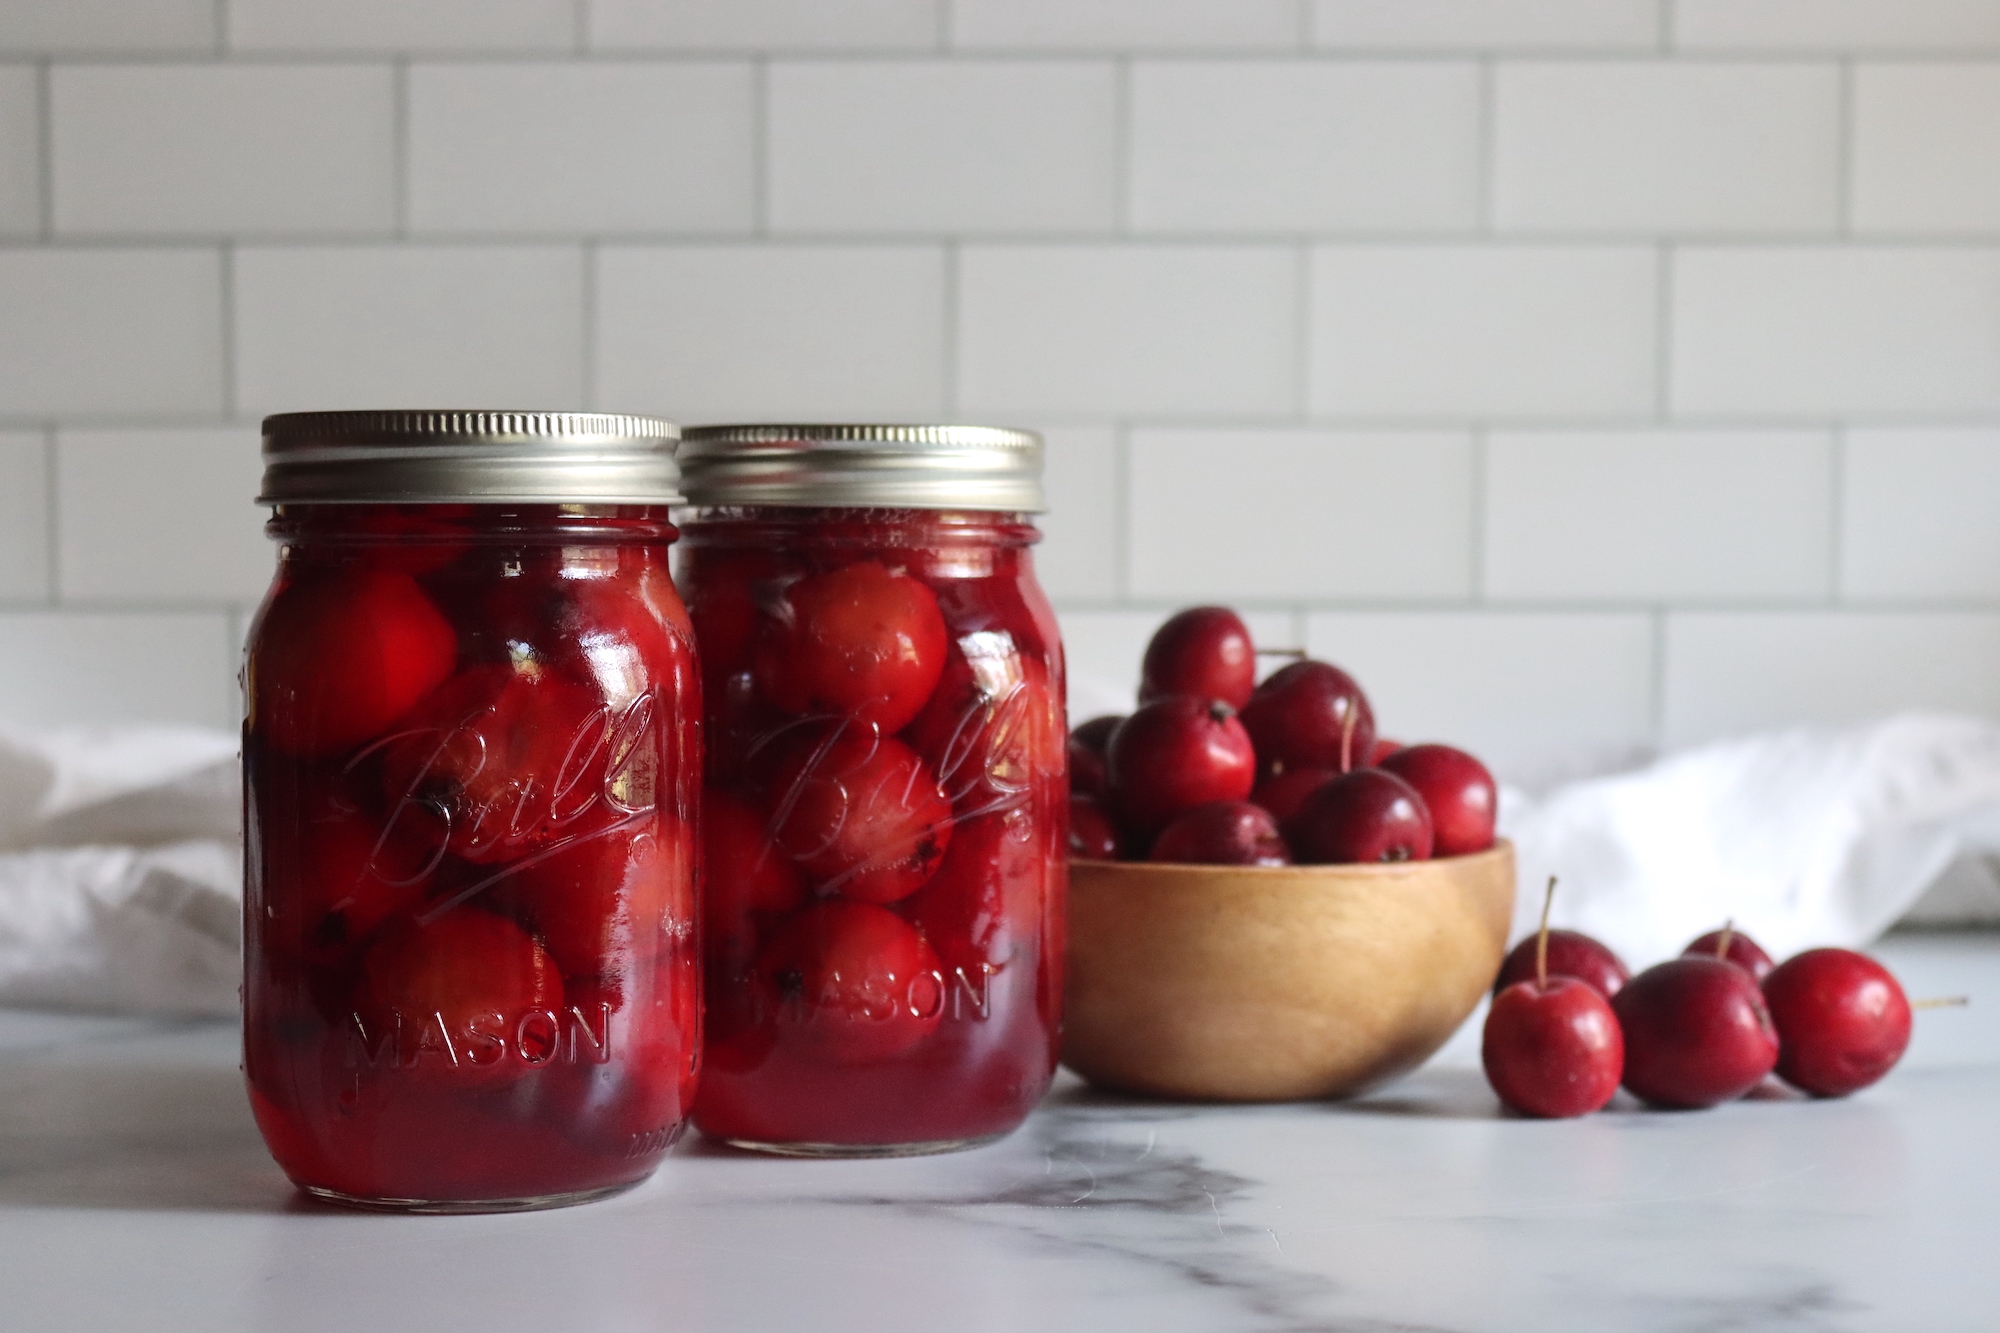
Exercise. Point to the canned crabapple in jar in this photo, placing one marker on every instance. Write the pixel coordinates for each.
(472, 768)
(886, 811)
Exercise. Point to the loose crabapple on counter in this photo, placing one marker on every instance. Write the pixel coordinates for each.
(884, 684)
(472, 767)
(1695, 1031)
(1170, 782)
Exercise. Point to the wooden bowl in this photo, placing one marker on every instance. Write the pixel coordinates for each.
(1254, 983)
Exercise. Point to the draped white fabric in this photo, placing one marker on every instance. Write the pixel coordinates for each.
(121, 881)
(120, 870)
(1801, 837)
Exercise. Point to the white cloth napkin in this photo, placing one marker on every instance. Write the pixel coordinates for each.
(121, 880)
(120, 870)
(1803, 838)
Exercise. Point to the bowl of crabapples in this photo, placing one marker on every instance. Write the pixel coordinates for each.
(1268, 901)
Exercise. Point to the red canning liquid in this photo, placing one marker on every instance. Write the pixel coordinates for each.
(472, 770)
(887, 811)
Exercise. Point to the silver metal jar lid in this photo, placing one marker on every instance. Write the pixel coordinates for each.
(864, 466)
(469, 458)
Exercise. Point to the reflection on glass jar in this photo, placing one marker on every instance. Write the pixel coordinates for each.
(885, 819)
(472, 766)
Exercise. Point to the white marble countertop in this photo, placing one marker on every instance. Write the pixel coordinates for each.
(135, 1194)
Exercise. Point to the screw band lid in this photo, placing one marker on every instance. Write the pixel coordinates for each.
(863, 466)
(469, 457)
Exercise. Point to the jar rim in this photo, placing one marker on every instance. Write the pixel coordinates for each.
(468, 457)
(863, 465)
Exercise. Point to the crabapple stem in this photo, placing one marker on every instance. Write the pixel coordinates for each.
(1542, 940)
(1347, 738)
(1722, 941)
(1942, 1002)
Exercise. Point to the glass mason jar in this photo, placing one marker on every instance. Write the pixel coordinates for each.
(886, 811)
(472, 766)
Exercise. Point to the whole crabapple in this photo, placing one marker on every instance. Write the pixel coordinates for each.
(1842, 1019)
(1732, 945)
(1227, 833)
(1571, 953)
(1367, 815)
(1174, 754)
(1457, 790)
(1309, 715)
(1697, 1032)
(1204, 651)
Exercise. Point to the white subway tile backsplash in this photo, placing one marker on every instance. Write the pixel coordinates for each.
(814, 332)
(110, 332)
(399, 25)
(1497, 330)
(1728, 672)
(1104, 648)
(1304, 145)
(1501, 25)
(20, 150)
(951, 146)
(24, 517)
(1078, 556)
(1836, 25)
(1927, 147)
(1521, 691)
(418, 326)
(1104, 329)
(117, 542)
(223, 149)
(1918, 514)
(1830, 331)
(1301, 515)
(61, 668)
(581, 148)
(64, 26)
(1666, 146)
(1347, 310)
(750, 24)
(1658, 515)
(1125, 24)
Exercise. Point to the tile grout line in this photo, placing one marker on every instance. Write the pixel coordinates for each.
(1233, 55)
(1489, 132)
(1975, 242)
(1481, 435)
(589, 386)
(1843, 170)
(399, 120)
(952, 327)
(45, 147)
(941, 14)
(1121, 512)
(222, 28)
(226, 271)
(1665, 36)
(1836, 524)
(1121, 148)
(175, 419)
(51, 498)
(1663, 333)
(1657, 700)
(579, 18)
(1302, 312)
(760, 146)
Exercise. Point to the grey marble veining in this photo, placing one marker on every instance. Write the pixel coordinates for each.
(134, 1193)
